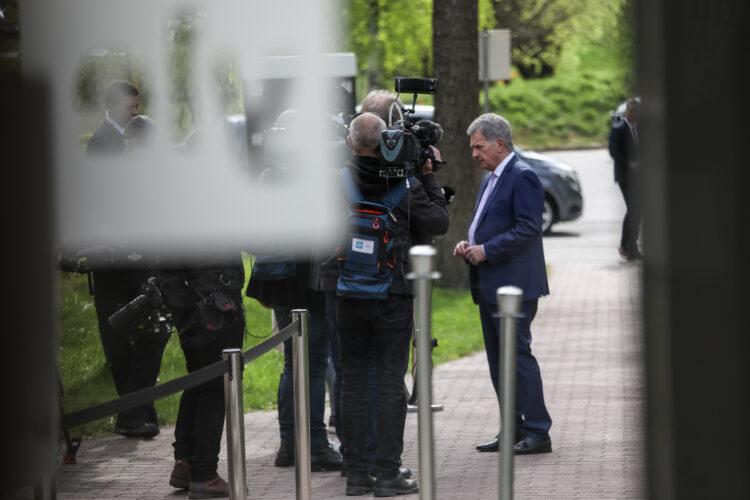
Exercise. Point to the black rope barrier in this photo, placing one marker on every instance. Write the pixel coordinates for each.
(188, 381)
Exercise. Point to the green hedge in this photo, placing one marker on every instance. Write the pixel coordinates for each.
(568, 110)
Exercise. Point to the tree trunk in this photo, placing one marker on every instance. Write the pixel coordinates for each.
(456, 64)
(372, 72)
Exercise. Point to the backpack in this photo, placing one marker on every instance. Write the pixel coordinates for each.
(368, 261)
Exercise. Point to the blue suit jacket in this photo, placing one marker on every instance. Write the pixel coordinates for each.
(510, 228)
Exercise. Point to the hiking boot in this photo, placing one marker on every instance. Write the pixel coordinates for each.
(325, 458)
(180, 477)
(392, 487)
(285, 456)
(215, 488)
(359, 485)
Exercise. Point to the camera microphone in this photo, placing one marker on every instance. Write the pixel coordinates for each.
(406, 85)
(428, 130)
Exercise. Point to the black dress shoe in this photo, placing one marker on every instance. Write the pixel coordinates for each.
(494, 445)
(133, 429)
(528, 446)
(392, 487)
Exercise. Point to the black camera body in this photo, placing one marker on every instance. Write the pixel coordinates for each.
(147, 313)
(405, 145)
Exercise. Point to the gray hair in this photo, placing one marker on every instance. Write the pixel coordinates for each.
(493, 127)
(380, 101)
(364, 133)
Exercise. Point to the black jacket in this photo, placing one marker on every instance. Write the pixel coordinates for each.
(622, 149)
(106, 140)
(421, 215)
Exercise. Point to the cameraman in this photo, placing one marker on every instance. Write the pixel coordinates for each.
(384, 325)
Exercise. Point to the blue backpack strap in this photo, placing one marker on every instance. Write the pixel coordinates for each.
(395, 195)
(351, 189)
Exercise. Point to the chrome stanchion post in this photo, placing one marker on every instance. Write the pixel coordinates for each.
(509, 299)
(301, 406)
(235, 422)
(421, 257)
(45, 489)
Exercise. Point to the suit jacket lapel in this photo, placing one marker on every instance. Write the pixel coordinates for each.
(496, 189)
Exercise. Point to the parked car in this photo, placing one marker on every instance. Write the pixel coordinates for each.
(563, 199)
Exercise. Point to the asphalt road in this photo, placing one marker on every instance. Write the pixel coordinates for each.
(590, 237)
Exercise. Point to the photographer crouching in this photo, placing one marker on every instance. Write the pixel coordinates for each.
(374, 303)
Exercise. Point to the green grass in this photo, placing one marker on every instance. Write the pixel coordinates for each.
(86, 380)
(569, 110)
(455, 324)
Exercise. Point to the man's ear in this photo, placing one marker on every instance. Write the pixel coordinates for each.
(349, 142)
(500, 143)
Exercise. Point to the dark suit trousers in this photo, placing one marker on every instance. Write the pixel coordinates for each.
(200, 419)
(631, 224)
(134, 360)
(532, 418)
(364, 325)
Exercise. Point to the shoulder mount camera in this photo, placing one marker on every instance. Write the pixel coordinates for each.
(405, 145)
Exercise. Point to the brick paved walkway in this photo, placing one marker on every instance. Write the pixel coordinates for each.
(587, 343)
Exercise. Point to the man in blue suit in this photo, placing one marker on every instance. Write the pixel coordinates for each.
(505, 248)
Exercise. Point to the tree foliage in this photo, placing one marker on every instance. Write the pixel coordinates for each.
(542, 29)
(390, 39)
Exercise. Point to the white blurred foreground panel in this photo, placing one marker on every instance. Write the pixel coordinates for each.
(170, 198)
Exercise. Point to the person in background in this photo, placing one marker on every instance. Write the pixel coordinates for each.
(133, 359)
(623, 148)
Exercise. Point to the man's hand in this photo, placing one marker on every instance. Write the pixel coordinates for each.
(475, 254)
(427, 167)
(460, 250)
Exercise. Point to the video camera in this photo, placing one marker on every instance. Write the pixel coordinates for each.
(405, 145)
(147, 313)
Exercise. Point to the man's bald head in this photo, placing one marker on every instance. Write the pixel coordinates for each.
(364, 134)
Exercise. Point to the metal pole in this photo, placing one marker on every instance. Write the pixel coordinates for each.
(509, 300)
(421, 257)
(301, 407)
(235, 420)
(45, 489)
(486, 72)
